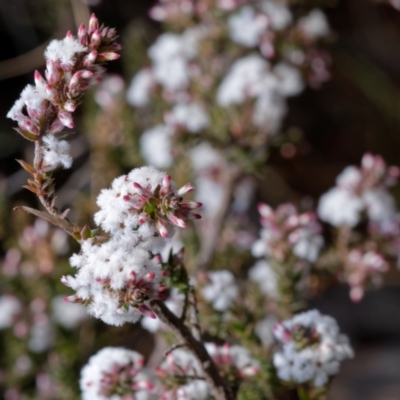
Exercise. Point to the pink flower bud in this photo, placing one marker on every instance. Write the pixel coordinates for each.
(66, 119)
(56, 126)
(70, 106)
(39, 80)
(90, 59)
(93, 24)
(108, 56)
(95, 39)
(69, 34)
(185, 189)
(52, 94)
(82, 34)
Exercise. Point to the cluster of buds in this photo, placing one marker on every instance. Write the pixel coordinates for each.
(286, 232)
(310, 348)
(163, 205)
(234, 362)
(115, 373)
(44, 109)
(362, 267)
(73, 64)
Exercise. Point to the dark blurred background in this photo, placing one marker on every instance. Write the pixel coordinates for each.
(358, 110)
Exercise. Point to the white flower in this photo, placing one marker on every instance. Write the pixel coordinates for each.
(246, 28)
(290, 80)
(69, 315)
(138, 94)
(113, 373)
(314, 25)
(192, 116)
(379, 204)
(263, 274)
(340, 207)
(270, 108)
(279, 14)
(222, 290)
(56, 152)
(311, 348)
(64, 50)
(155, 146)
(243, 80)
(10, 307)
(41, 336)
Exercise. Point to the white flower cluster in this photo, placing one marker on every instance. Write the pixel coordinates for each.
(252, 77)
(221, 290)
(115, 373)
(311, 348)
(361, 266)
(361, 190)
(116, 278)
(234, 362)
(178, 68)
(285, 230)
(72, 65)
(181, 363)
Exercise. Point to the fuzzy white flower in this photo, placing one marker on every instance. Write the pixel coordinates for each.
(155, 146)
(221, 291)
(115, 279)
(314, 25)
(10, 307)
(56, 152)
(138, 93)
(69, 315)
(246, 28)
(192, 116)
(113, 373)
(243, 80)
(340, 207)
(311, 348)
(64, 50)
(278, 13)
(263, 274)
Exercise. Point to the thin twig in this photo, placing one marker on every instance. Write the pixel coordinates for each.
(220, 388)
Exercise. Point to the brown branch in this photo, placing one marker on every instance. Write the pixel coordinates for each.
(220, 388)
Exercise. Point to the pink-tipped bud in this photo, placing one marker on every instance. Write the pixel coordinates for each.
(95, 39)
(66, 119)
(126, 197)
(149, 277)
(52, 94)
(93, 24)
(64, 280)
(56, 126)
(69, 34)
(157, 258)
(185, 189)
(143, 218)
(108, 56)
(82, 34)
(166, 184)
(72, 299)
(177, 221)
(39, 80)
(53, 72)
(70, 106)
(161, 226)
(147, 311)
(190, 205)
(90, 59)
(265, 210)
(195, 216)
